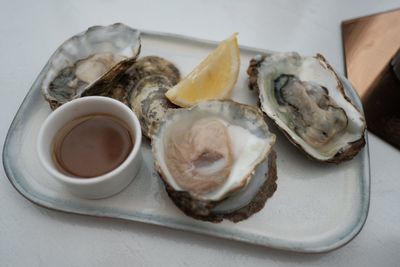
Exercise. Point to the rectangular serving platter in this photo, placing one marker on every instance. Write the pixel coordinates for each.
(316, 208)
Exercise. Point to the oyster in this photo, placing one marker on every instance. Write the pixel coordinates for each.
(149, 103)
(307, 101)
(215, 160)
(151, 77)
(124, 81)
(154, 65)
(88, 62)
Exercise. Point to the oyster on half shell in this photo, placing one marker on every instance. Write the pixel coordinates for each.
(88, 62)
(215, 160)
(306, 99)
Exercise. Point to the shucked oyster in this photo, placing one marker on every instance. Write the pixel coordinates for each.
(213, 160)
(88, 62)
(306, 99)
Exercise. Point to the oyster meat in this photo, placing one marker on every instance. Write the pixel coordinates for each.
(87, 63)
(215, 160)
(306, 99)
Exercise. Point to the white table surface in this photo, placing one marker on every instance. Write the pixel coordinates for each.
(33, 236)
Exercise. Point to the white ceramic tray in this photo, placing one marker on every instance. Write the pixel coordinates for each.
(317, 207)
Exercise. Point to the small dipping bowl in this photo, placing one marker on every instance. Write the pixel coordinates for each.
(106, 184)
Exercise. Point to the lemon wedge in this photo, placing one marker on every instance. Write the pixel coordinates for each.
(213, 78)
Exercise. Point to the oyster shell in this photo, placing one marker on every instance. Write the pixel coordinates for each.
(124, 82)
(88, 62)
(306, 99)
(150, 78)
(208, 155)
(154, 65)
(149, 103)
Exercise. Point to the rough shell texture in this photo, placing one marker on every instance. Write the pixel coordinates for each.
(110, 83)
(118, 40)
(153, 65)
(127, 78)
(149, 103)
(344, 153)
(145, 84)
(202, 210)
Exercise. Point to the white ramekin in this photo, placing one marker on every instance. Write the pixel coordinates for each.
(101, 186)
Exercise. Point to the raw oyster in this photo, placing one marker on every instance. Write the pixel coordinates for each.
(213, 160)
(88, 62)
(307, 101)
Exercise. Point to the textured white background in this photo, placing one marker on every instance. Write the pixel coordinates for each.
(32, 236)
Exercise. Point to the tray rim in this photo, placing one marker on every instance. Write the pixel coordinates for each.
(356, 229)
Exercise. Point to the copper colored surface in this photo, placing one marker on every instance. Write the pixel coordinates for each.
(370, 43)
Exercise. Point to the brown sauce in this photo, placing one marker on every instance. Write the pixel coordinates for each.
(91, 146)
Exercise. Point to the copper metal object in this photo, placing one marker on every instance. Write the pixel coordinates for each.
(372, 56)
